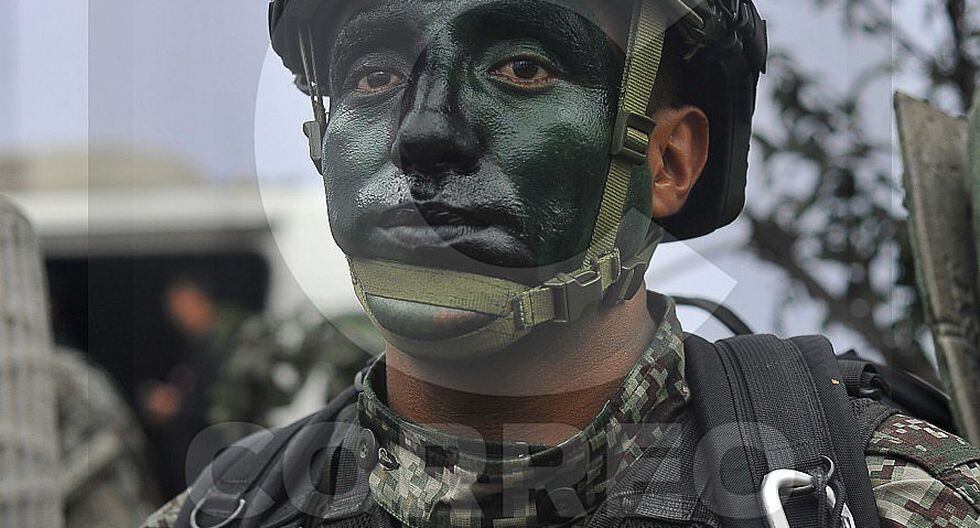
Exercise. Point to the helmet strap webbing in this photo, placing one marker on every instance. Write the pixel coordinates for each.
(316, 129)
(631, 134)
(517, 308)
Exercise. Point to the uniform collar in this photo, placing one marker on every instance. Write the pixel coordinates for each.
(425, 477)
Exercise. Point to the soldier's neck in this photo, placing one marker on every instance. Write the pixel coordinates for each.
(542, 390)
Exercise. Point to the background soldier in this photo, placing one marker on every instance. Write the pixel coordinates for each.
(272, 363)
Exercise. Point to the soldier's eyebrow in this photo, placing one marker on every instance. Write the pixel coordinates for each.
(564, 31)
(394, 29)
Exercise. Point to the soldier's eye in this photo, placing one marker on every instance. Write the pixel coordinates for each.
(524, 72)
(377, 81)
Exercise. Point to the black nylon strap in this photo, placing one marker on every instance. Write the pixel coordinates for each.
(217, 494)
(845, 430)
(722, 313)
(763, 403)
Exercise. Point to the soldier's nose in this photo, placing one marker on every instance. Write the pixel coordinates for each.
(434, 139)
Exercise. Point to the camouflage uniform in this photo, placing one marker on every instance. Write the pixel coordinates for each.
(915, 485)
(269, 361)
(103, 449)
(420, 470)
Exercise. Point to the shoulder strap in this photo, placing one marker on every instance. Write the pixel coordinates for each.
(219, 495)
(782, 405)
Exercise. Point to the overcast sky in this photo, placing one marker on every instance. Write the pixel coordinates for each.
(182, 76)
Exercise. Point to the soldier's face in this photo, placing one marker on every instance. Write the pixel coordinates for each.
(470, 134)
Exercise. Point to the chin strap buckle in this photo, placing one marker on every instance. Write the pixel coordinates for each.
(573, 293)
(567, 296)
(630, 281)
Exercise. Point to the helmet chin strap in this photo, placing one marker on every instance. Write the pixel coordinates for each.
(515, 309)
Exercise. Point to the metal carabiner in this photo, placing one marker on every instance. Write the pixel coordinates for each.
(234, 514)
(782, 480)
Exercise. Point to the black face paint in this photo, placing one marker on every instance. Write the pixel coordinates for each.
(471, 135)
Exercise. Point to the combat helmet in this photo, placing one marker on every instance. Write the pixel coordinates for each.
(724, 45)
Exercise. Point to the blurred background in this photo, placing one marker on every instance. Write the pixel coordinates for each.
(156, 148)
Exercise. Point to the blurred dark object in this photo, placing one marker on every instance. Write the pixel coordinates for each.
(111, 307)
(30, 494)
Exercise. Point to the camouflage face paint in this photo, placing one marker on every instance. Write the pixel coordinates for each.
(470, 135)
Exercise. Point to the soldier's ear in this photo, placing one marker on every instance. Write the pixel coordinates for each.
(677, 155)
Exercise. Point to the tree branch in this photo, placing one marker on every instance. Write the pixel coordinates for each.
(776, 245)
(962, 74)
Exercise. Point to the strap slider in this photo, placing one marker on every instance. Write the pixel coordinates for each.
(631, 137)
(574, 293)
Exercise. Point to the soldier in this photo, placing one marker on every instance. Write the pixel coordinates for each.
(499, 173)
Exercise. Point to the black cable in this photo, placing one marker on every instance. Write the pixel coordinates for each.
(720, 312)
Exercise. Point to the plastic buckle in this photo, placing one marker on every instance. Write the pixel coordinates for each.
(623, 144)
(574, 293)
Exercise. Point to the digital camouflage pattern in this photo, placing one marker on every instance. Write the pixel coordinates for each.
(444, 480)
(922, 476)
(166, 516)
(103, 449)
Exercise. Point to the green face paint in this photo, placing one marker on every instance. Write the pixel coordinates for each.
(471, 135)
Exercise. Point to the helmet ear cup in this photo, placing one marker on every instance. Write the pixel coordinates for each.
(719, 196)
(725, 76)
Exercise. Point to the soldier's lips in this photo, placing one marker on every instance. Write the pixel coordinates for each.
(484, 249)
(436, 225)
(443, 235)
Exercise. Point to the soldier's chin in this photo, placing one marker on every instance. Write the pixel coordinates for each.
(423, 322)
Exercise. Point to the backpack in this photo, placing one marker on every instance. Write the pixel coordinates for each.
(823, 406)
(784, 421)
